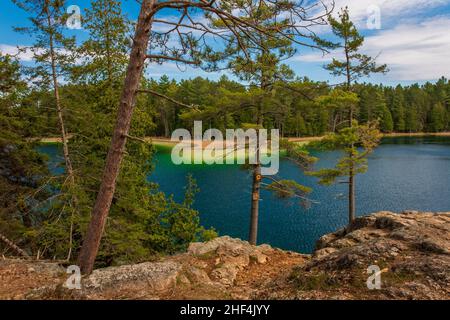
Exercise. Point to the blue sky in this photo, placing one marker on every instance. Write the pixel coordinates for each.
(413, 40)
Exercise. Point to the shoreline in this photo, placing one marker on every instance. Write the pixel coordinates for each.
(160, 141)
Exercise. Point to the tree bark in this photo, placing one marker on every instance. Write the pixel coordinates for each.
(351, 197)
(256, 185)
(164, 120)
(254, 213)
(351, 182)
(103, 202)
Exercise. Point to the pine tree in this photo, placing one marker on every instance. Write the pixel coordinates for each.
(412, 121)
(189, 49)
(354, 66)
(386, 122)
(438, 118)
(104, 54)
(52, 53)
(398, 109)
(382, 113)
(23, 172)
(262, 66)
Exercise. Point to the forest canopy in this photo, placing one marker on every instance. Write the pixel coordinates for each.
(408, 109)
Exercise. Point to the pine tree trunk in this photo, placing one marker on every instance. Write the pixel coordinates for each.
(256, 186)
(351, 197)
(115, 156)
(68, 163)
(351, 180)
(165, 122)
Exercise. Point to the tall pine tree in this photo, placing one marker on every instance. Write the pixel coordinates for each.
(354, 66)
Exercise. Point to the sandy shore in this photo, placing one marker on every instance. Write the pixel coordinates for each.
(303, 140)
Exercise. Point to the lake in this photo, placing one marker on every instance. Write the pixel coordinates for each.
(404, 174)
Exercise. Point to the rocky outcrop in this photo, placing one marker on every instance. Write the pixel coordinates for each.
(230, 257)
(411, 250)
(224, 268)
(158, 275)
(19, 277)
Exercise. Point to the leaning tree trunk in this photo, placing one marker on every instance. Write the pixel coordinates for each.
(102, 205)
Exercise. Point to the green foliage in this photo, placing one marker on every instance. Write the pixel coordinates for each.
(288, 189)
(357, 142)
(438, 118)
(355, 65)
(142, 221)
(46, 27)
(382, 114)
(36, 210)
(298, 154)
(298, 108)
(104, 54)
(23, 171)
(179, 224)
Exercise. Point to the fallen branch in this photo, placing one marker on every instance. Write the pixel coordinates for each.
(12, 246)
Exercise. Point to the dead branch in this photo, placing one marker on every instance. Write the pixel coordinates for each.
(13, 247)
(160, 95)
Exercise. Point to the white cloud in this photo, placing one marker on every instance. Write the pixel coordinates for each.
(20, 52)
(414, 52)
(398, 9)
(157, 70)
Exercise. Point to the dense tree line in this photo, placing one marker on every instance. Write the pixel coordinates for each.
(407, 109)
(413, 108)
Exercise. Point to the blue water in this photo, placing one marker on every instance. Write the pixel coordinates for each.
(404, 173)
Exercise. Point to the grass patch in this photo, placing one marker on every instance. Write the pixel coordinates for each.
(316, 281)
(392, 278)
(205, 256)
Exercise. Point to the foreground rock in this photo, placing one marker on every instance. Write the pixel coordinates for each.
(410, 249)
(224, 268)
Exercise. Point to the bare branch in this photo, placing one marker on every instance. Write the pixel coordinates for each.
(160, 95)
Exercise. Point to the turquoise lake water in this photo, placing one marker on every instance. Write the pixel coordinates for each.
(404, 174)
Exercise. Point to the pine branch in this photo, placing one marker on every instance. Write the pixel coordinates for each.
(160, 95)
(163, 57)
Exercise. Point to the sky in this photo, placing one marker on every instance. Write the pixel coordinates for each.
(412, 38)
